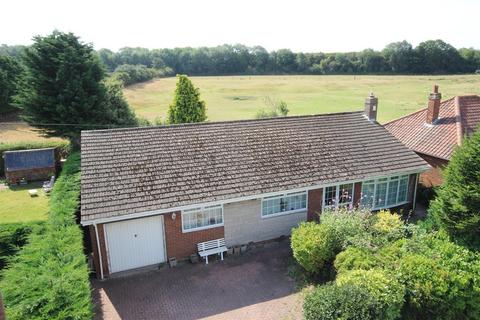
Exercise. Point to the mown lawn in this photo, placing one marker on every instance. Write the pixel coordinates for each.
(240, 97)
(16, 205)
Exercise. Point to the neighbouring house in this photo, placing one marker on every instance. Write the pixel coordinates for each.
(434, 132)
(30, 165)
(153, 193)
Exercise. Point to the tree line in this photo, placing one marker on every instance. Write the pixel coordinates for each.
(429, 57)
(60, 87)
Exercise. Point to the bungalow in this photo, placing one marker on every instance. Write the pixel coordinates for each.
(434, 132)
(150, 194)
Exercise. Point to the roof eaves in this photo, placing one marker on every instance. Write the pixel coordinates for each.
(458, 119)
(431, 155)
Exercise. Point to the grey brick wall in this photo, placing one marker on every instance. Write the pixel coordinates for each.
(243, 223)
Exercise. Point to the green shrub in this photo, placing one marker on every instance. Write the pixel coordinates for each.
(347, 302)
(316, 245)
(385, 289)
(312, 245)
(48, 278)
(13, 236)
(386, 222)
(442, 279)
(63, 148)
(354, 259)
(456, 208)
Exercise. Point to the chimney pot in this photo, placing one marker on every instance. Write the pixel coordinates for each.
(433, 105)
(371, 103)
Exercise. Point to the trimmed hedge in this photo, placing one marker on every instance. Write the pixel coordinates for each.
(346, 302)
(387, 291)
(63, 146)
(13, 236)
(49, 278)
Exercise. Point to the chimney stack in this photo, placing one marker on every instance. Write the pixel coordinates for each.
(371, 104)
(433, 105)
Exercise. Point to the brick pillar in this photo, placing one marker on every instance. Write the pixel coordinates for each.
(103, 249)
(315, 198)
(357, 194)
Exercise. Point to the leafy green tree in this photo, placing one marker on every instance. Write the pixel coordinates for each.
(284, 60)
(399, 56)
(9, 77)
(119, 112)
(457, 205)
(472, 59)
(437, 56)
(108, 58)
(14, 51)
(63, 91)
(187, 106)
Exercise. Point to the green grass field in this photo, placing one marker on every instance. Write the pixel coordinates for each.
(240, 97)
(18, 206)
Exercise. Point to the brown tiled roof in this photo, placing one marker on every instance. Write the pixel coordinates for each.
(459, 116)
(127, 171)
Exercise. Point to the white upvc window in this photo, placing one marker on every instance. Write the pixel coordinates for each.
(338, 196)
(284, 204)
(384, 192)
(202, 218)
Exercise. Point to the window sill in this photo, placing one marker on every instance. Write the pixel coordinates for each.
(345, 205)
(285, 213)
(202, 228)
(391, 206)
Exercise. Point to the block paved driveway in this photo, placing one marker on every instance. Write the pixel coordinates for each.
(252, 286)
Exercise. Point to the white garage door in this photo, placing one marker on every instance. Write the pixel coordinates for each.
(135, 243)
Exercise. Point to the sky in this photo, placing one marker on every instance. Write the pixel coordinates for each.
(300, 25)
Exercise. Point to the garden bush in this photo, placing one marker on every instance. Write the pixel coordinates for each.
(355, 259)
(346, 302)
(442, 279)
(385, 289)
(315, 245)
(408, 271)
(63, 148)
(48, 278)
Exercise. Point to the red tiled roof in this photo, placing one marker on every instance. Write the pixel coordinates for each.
(459, 116)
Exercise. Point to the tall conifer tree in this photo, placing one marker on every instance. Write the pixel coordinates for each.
(187, 106)
(63, 91)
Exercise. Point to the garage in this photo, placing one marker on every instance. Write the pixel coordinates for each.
(135, 243)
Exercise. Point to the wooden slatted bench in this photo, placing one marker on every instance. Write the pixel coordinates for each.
(207, 248)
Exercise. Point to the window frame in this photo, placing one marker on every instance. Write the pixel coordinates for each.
(280, 196)
(201, 209)
(375, 182)
(337, 204)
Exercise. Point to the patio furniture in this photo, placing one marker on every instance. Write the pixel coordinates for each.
(48, 185)
(207, 248)
(33, 192)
